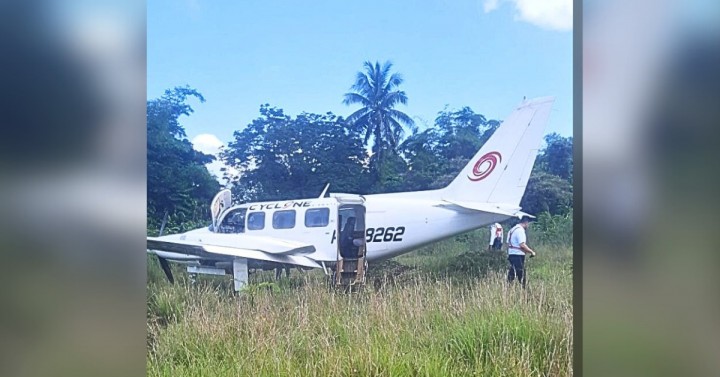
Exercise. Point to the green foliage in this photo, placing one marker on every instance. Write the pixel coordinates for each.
(557, 157)
(554, 230)
(389, 172)
(550, 186)
(252, 290)
(547, 193)
(436, 155)
(444, 310)
(473, 263)
(283, 157)
(421, 326)
(164, 306)
(462, 132)
(178, 181)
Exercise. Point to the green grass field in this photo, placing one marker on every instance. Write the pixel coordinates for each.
(445, 310)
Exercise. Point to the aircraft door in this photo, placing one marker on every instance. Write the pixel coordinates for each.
(351, 262)
(221, 202)
(351, 224)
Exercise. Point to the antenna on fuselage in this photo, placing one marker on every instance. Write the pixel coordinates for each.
(324, 191)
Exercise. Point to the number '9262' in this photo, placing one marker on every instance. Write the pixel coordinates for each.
(389, 234)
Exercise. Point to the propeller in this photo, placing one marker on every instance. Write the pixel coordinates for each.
(164, 262)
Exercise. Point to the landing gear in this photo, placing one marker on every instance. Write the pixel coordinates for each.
(240, 273)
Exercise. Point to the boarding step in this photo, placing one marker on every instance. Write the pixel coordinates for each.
(350, 272)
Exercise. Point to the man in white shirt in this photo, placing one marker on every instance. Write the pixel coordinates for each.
(517, 249)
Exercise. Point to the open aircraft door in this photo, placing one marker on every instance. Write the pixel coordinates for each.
(351, 251)
(221, 202)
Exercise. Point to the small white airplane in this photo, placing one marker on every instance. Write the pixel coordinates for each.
(323, 232)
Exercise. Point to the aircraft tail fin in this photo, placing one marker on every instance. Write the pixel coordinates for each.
(499, 172)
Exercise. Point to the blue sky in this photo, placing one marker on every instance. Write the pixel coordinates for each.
(303, 56)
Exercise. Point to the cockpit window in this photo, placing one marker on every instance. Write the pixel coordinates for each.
(234, 221)
(317, 217)
(256, 220)
(284, 219)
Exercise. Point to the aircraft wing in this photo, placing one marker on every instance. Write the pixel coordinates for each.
(208, 245)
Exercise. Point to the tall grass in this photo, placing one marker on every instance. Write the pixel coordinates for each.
(430, 324)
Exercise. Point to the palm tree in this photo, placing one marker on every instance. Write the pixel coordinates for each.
(376, 90)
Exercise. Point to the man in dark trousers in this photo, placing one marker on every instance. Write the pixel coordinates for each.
(517, 249)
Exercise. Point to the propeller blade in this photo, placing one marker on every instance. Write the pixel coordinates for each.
(164, 262)
(166, 268)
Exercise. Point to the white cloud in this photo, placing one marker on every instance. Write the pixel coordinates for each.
(490, 5)
(210, 144)
(548, 14)
(207, 143)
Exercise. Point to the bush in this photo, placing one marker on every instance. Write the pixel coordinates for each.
(477, 264)
(552, 230)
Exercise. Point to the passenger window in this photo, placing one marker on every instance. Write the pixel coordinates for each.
(284, 219)
(234, 221)
(256, 221)
(317, 217)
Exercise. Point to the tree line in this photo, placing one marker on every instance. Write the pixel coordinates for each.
(377, 148)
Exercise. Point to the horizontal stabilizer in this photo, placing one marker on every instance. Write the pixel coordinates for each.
(498, 208)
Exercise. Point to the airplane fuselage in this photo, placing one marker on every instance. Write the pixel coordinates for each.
(396, 223)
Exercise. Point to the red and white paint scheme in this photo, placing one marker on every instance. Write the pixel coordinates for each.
(307, 232)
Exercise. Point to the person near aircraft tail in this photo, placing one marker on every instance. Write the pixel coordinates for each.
(496, 236)
(517, 249)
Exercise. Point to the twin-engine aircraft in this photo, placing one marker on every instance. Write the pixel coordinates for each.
(323, 232)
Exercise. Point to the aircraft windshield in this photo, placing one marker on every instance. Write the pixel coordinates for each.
(234, 221)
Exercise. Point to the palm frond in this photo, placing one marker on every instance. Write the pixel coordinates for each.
(353, 98)
(355, 117)
(402, 117)
(368, 65)
(393, 98)
(394, 81)
(386, 68)
(375, 88)
(396, 132)
(369, 131)
(362, 84)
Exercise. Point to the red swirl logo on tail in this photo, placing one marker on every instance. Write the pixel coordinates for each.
(485, 165)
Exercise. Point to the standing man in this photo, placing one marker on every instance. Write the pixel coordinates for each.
(517, 249)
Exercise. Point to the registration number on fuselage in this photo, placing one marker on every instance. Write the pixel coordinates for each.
(389, 234)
